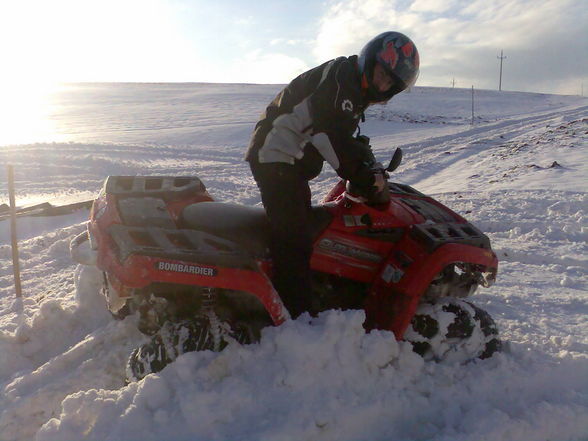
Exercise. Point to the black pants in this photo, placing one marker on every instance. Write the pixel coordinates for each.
(285, 194)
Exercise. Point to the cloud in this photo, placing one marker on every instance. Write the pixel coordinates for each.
(545, 40)
(431, 5)
(347, 25)
(264, 67)
(288, 42)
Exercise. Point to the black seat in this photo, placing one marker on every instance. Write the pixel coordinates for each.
(245, 225)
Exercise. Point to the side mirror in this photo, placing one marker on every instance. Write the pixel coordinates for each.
(396, 160)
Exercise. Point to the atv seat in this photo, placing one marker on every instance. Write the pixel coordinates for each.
(245, 225)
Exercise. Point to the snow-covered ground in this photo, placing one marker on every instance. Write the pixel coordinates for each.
(519, 173)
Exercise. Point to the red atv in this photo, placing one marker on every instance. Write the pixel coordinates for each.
(198, 273)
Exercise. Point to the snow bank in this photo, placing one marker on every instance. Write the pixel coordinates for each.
(325, 379)
(63, 347)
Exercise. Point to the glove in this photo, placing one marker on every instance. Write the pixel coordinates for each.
(380, 182)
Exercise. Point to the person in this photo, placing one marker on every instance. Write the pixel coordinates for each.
(311, 120)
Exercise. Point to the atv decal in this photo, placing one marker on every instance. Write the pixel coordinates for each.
(346, 250)
(389, 55)
(190, 269)
(347, 106)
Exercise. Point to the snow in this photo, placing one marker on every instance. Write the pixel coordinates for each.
(62, 362)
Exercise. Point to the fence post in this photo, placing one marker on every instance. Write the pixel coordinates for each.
(14, 241)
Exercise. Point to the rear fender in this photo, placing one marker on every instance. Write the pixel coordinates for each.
(141, 271)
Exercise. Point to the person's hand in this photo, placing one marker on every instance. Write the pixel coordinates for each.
(380, 182)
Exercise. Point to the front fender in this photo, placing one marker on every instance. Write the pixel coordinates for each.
(397, 290)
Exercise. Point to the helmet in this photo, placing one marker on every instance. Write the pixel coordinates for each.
(398, 56)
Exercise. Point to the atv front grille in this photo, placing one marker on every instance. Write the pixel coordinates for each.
(185, 245)
(435, 235)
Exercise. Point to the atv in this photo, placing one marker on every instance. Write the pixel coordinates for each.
(198, 273)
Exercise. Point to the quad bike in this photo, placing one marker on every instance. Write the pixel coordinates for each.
(198, 273)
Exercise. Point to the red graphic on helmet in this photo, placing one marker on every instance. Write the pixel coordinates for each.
(389, 55)
(407, 49)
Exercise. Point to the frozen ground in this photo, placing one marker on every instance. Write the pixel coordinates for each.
(519, 173)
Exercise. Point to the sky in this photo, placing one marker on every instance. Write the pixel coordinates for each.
(545, 41)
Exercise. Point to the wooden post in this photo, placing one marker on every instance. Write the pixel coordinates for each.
(15, 260)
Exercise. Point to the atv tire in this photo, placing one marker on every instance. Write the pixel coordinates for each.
(453, 330)
(172, 340)
(175, 339)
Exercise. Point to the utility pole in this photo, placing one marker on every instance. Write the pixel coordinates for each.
(500, 81)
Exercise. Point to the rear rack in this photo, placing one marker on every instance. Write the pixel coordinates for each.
(185, 245)
(164, 187)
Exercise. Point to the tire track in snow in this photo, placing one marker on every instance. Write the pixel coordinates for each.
(476, 141)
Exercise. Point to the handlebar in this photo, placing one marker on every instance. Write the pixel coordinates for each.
(372, 196)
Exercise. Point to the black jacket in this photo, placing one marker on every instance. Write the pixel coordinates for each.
(312, 120)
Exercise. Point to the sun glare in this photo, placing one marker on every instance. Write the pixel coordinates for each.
(45, 43)
(25, 113)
